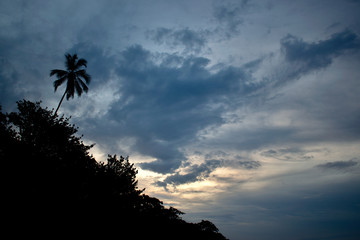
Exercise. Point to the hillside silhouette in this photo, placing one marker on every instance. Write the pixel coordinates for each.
(52, 184)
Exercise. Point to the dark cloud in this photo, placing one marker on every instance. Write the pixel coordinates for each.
(338, 165)
(307, 57)
(169, 157)
(229, 16)
(164, 106)
(199, 172)
(196, 173)
(213, 160)
(19, 62)
(192, 41)
(229, 160)
(8, 76)
(289, 154)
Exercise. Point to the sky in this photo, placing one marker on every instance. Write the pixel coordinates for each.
(245, 113)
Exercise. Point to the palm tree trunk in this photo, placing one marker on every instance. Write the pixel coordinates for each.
(60, 102)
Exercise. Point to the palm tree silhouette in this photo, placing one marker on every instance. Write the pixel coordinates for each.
(75, 74)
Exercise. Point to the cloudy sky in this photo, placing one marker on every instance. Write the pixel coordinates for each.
(245, 113)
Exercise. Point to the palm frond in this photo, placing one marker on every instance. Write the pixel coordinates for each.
(82, 73)
(79, 90)
(58, 72)
(81, 62)
(59, 82)
(70, 62)
(83, 85)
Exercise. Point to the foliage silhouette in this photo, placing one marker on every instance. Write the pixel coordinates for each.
(53, 182)
(74, 75)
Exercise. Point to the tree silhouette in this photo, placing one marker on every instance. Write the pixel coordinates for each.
(54, 184)
(75, 75)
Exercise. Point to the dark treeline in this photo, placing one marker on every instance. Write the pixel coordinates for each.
(52, 184)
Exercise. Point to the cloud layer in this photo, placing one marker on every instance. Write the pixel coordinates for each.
(241, 112)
